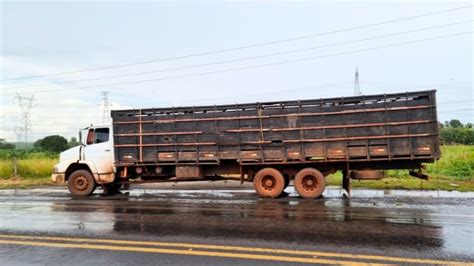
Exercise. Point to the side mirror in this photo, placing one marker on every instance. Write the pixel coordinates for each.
(81, 141)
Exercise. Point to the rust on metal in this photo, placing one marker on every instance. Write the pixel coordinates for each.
(158, 133)
(387, 131)
(419, 174)
(189, 171)
(331, 127)
(359, 138)
(269, 142)
(276, 116)
(140, 136)
(367, 174)
(164, 144)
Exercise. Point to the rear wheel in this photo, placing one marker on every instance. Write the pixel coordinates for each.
(309, 183)
(269, 183)
(81, 183)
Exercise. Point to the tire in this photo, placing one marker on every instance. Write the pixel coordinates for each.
(81, 183)
(269, 183)
(309, 183)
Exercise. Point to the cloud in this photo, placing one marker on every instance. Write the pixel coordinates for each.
(61, 112)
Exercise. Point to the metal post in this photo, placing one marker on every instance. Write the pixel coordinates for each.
(346, 183)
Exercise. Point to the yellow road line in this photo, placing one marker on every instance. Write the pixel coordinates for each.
(235, 248)
(182, 252)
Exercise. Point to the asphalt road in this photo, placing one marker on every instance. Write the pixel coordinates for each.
(218, 223)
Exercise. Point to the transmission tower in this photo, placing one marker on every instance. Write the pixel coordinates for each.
(357, 91)
(105, 106)
(23, 131)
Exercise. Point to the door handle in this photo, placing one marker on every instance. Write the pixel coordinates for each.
(107, 150)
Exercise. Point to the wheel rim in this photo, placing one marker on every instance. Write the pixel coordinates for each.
(309, 183)
(268, 183)
(81, 183)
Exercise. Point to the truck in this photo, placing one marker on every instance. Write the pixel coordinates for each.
(267, 143)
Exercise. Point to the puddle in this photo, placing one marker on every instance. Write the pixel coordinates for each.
(331, 192)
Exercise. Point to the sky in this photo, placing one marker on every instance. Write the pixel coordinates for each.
(305, 49)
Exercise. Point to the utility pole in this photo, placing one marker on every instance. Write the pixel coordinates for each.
(105, 106)
(357, 91)
(24, 130)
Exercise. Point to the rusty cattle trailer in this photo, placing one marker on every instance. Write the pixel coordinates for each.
(272, 143)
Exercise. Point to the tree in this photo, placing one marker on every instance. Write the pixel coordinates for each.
(73, 142)
(457, 135)
(454, 123)
(54, 143)
(5, 145)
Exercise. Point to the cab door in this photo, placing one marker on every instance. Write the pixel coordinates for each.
(99, 149)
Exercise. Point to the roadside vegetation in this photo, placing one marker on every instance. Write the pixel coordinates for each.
(21, 168)
(25, 169)
(454, 171)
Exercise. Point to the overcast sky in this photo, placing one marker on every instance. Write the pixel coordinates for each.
(39, 38)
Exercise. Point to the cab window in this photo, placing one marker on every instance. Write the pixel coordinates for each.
(97, 135)
(101, 135)
(90, 137)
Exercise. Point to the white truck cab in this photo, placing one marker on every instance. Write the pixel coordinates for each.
(90, 164)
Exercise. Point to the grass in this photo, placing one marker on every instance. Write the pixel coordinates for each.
(454, 171)
(456, 162)
(30, 168)
(34, 170)
(22, 183)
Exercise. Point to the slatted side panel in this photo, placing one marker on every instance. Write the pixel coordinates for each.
(379, 127)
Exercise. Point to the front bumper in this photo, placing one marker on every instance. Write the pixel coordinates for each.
(57, 178)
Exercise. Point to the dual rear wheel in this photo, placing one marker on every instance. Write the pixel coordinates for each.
(270, 183)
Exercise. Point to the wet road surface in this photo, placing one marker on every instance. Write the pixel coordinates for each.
(221, 223)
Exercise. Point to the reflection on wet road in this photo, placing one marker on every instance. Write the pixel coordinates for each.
(414, 226)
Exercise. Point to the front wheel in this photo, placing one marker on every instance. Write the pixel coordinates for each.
(81, 183)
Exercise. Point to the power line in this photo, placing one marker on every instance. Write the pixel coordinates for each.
(244, 47)
(339, 84)
(257, 66)
(55, 115)
(459, 110)
(467, 101)
(242, 59)
(76, 106)
(69, 123)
